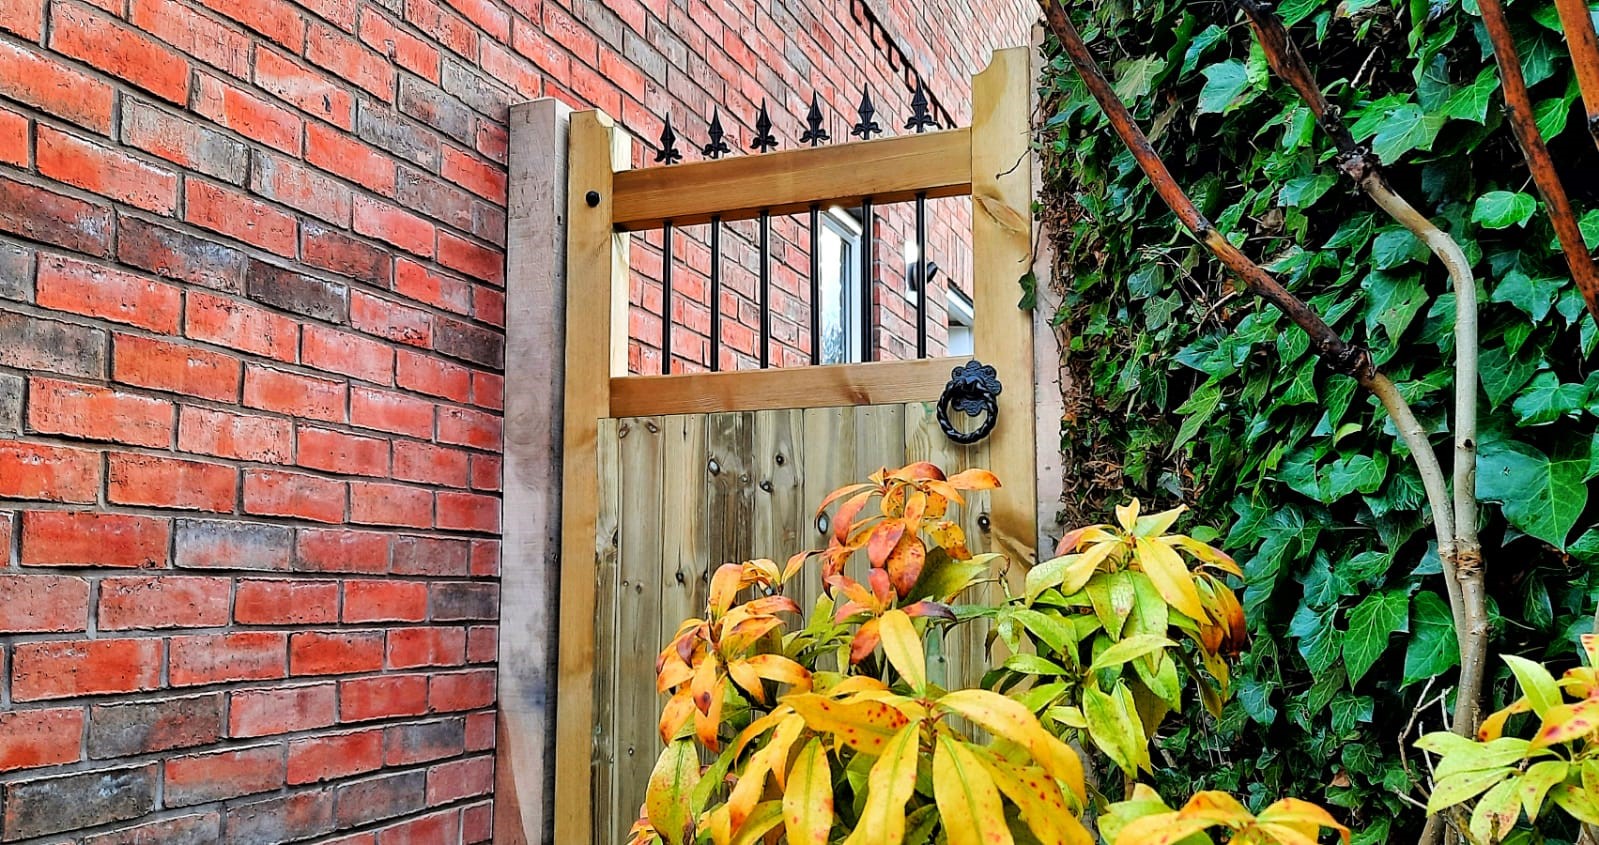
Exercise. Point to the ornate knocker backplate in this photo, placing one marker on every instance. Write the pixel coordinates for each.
(973, 390)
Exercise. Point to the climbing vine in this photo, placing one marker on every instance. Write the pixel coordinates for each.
(1185, 390)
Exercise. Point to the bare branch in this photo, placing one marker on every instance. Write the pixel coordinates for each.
(1518, 105)
(1584, 46)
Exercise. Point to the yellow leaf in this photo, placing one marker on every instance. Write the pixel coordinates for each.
(1494, 726)
(1203, 553)
(1156, 524)
(865, 726)
(666, 802)
(968, 801)
(1536, 783)
(748, 679)
(1496, 813)
(1217, 808)
(761, 822)
(889, 785)
(808, 800)
(1302, 814)
(1038, 797)
(1009, 719)
(1170, 577)
(677, 711)
(1160, 829)
(782, 741)
(1127, 515)
(904, 648)
(1566, 722)
(775, 667)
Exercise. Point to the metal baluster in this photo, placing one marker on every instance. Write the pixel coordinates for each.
(816, 285)
(716, 293)
(921, 275)
(765, 292)
(867, 247)
(666, 299)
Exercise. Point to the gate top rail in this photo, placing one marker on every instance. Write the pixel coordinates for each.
(885, 170)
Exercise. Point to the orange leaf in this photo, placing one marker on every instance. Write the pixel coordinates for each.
(844, 520)
(884, 539)
(705, 685)
(974, 479)
(1566, 722)
(919, 471)
(865, 642)
(865, 726)
(840, 493)
(724, 586)
(905, 564)
(677, 711)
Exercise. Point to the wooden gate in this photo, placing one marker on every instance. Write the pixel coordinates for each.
(667, 477)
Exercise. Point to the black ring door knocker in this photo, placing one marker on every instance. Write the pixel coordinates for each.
(973, 390)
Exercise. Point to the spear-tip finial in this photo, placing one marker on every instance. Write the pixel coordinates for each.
(921, 119)
(764, 141)
(814, 133)
(718, 146)
(867, 127)
(668, 153)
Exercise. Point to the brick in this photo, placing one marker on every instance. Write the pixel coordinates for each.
(159, 482)
(147, 727)
(459, 779)
(486, 473)
(382, 797)
(534, 42)
(395, 413)
(433, 376)
(431, 556)
(482, 644)
(489, 224)
(342, 550)
(461, 690)
(40, 215)
(290, 818)
(194, 829)
(107, 44)
(180, 141)
(431, 105)
(345, 454)
(186, 370)
(477, 823)
(347, 354)
(202, 778)
(291, 291)
(335, 652)
(177, 255)
(336, 756)
(511, 70)
(53, 603)
(271, 602)
(351, 60)
(478, 345)
(300, 188)
(391, 321)
(339, 253)
(403, 49)
(477, 262)
(422, 742)
(372, 503)
(193, 34)
(382, 697)
(98, 413)
(48, 473)
(107, 172)
(30, 343)
(17, 269)
(165, 601)
(224, 434)
(52, 87)
(24, 18)
(384, 601)
(294, 394)
(236, 215)
(436, 827)
(227, 658)
(336, 153)
(462, 600)
(275, 19)
(424, 285)
(486, 558)
(449, 29)
(30, 739)
(467, 427)
(66, 284)
(85, 667)
(488, 391)
(468, 512)
(269, 712)
(494, 142)
(434, 198)
(486, 180)
(385, 129)
(78, 801)
(274, 493)
(304, 88)
(411, 648)
(237, 325)
(215, 544)
(71, 538)
(394, 226)
(465, 82)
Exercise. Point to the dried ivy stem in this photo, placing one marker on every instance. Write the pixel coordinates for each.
(1462, 557)
(1584, 46)
(1343, 357)
(1518, 106)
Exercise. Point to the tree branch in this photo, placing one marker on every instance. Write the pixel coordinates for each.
(1584, 46)
(1518, 105)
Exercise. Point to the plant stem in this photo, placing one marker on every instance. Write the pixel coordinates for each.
(1518, 105)
(1584, 46)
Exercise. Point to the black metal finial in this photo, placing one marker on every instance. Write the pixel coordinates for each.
(867, 127)
(920, 119)
(668, 153)
(718, 146)
(764, 141)
(814, 134)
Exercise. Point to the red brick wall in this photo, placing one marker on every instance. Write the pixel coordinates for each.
(251, 309)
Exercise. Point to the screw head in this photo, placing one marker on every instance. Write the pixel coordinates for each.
(592, 198)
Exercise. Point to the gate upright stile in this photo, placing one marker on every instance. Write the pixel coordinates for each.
(668, 476)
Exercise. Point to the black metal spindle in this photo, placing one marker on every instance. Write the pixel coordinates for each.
(716, 293)
(666, 299)
(921, 275)
(867, 247)
(765, 293)
(816, 285)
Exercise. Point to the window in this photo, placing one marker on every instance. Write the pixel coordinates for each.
(839, 248)
(960, 322)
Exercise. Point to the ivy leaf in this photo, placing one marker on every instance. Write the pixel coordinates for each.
(1504, 373)
(1199, 408)
(1319, 640)
(1225, 84)
(1395, 247)
(1356, 473)
(1503, 209)
(1202, 42)
(1392, 302)
(1533, 296)
(1371, 625)
(1541, 497)
(1547, 400)
(1406, 128)
(1303, 191)
(1134, 78)
(1433, 649)
(1471, 102)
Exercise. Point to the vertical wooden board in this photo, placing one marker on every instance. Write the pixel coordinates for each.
(685, 567)
(731, 489)
(779, 484)
(828, 464)
(640, 449)
(879, 438)
(606, 633)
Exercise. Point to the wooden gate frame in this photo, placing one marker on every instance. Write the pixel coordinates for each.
(606, 200)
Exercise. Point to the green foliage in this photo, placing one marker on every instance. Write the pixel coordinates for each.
(1188, 391)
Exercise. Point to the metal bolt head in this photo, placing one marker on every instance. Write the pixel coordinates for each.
(592, 198)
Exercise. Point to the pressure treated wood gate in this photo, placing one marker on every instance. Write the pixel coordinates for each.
(667, 477)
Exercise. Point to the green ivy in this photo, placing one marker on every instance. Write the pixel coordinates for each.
(1185, 389)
